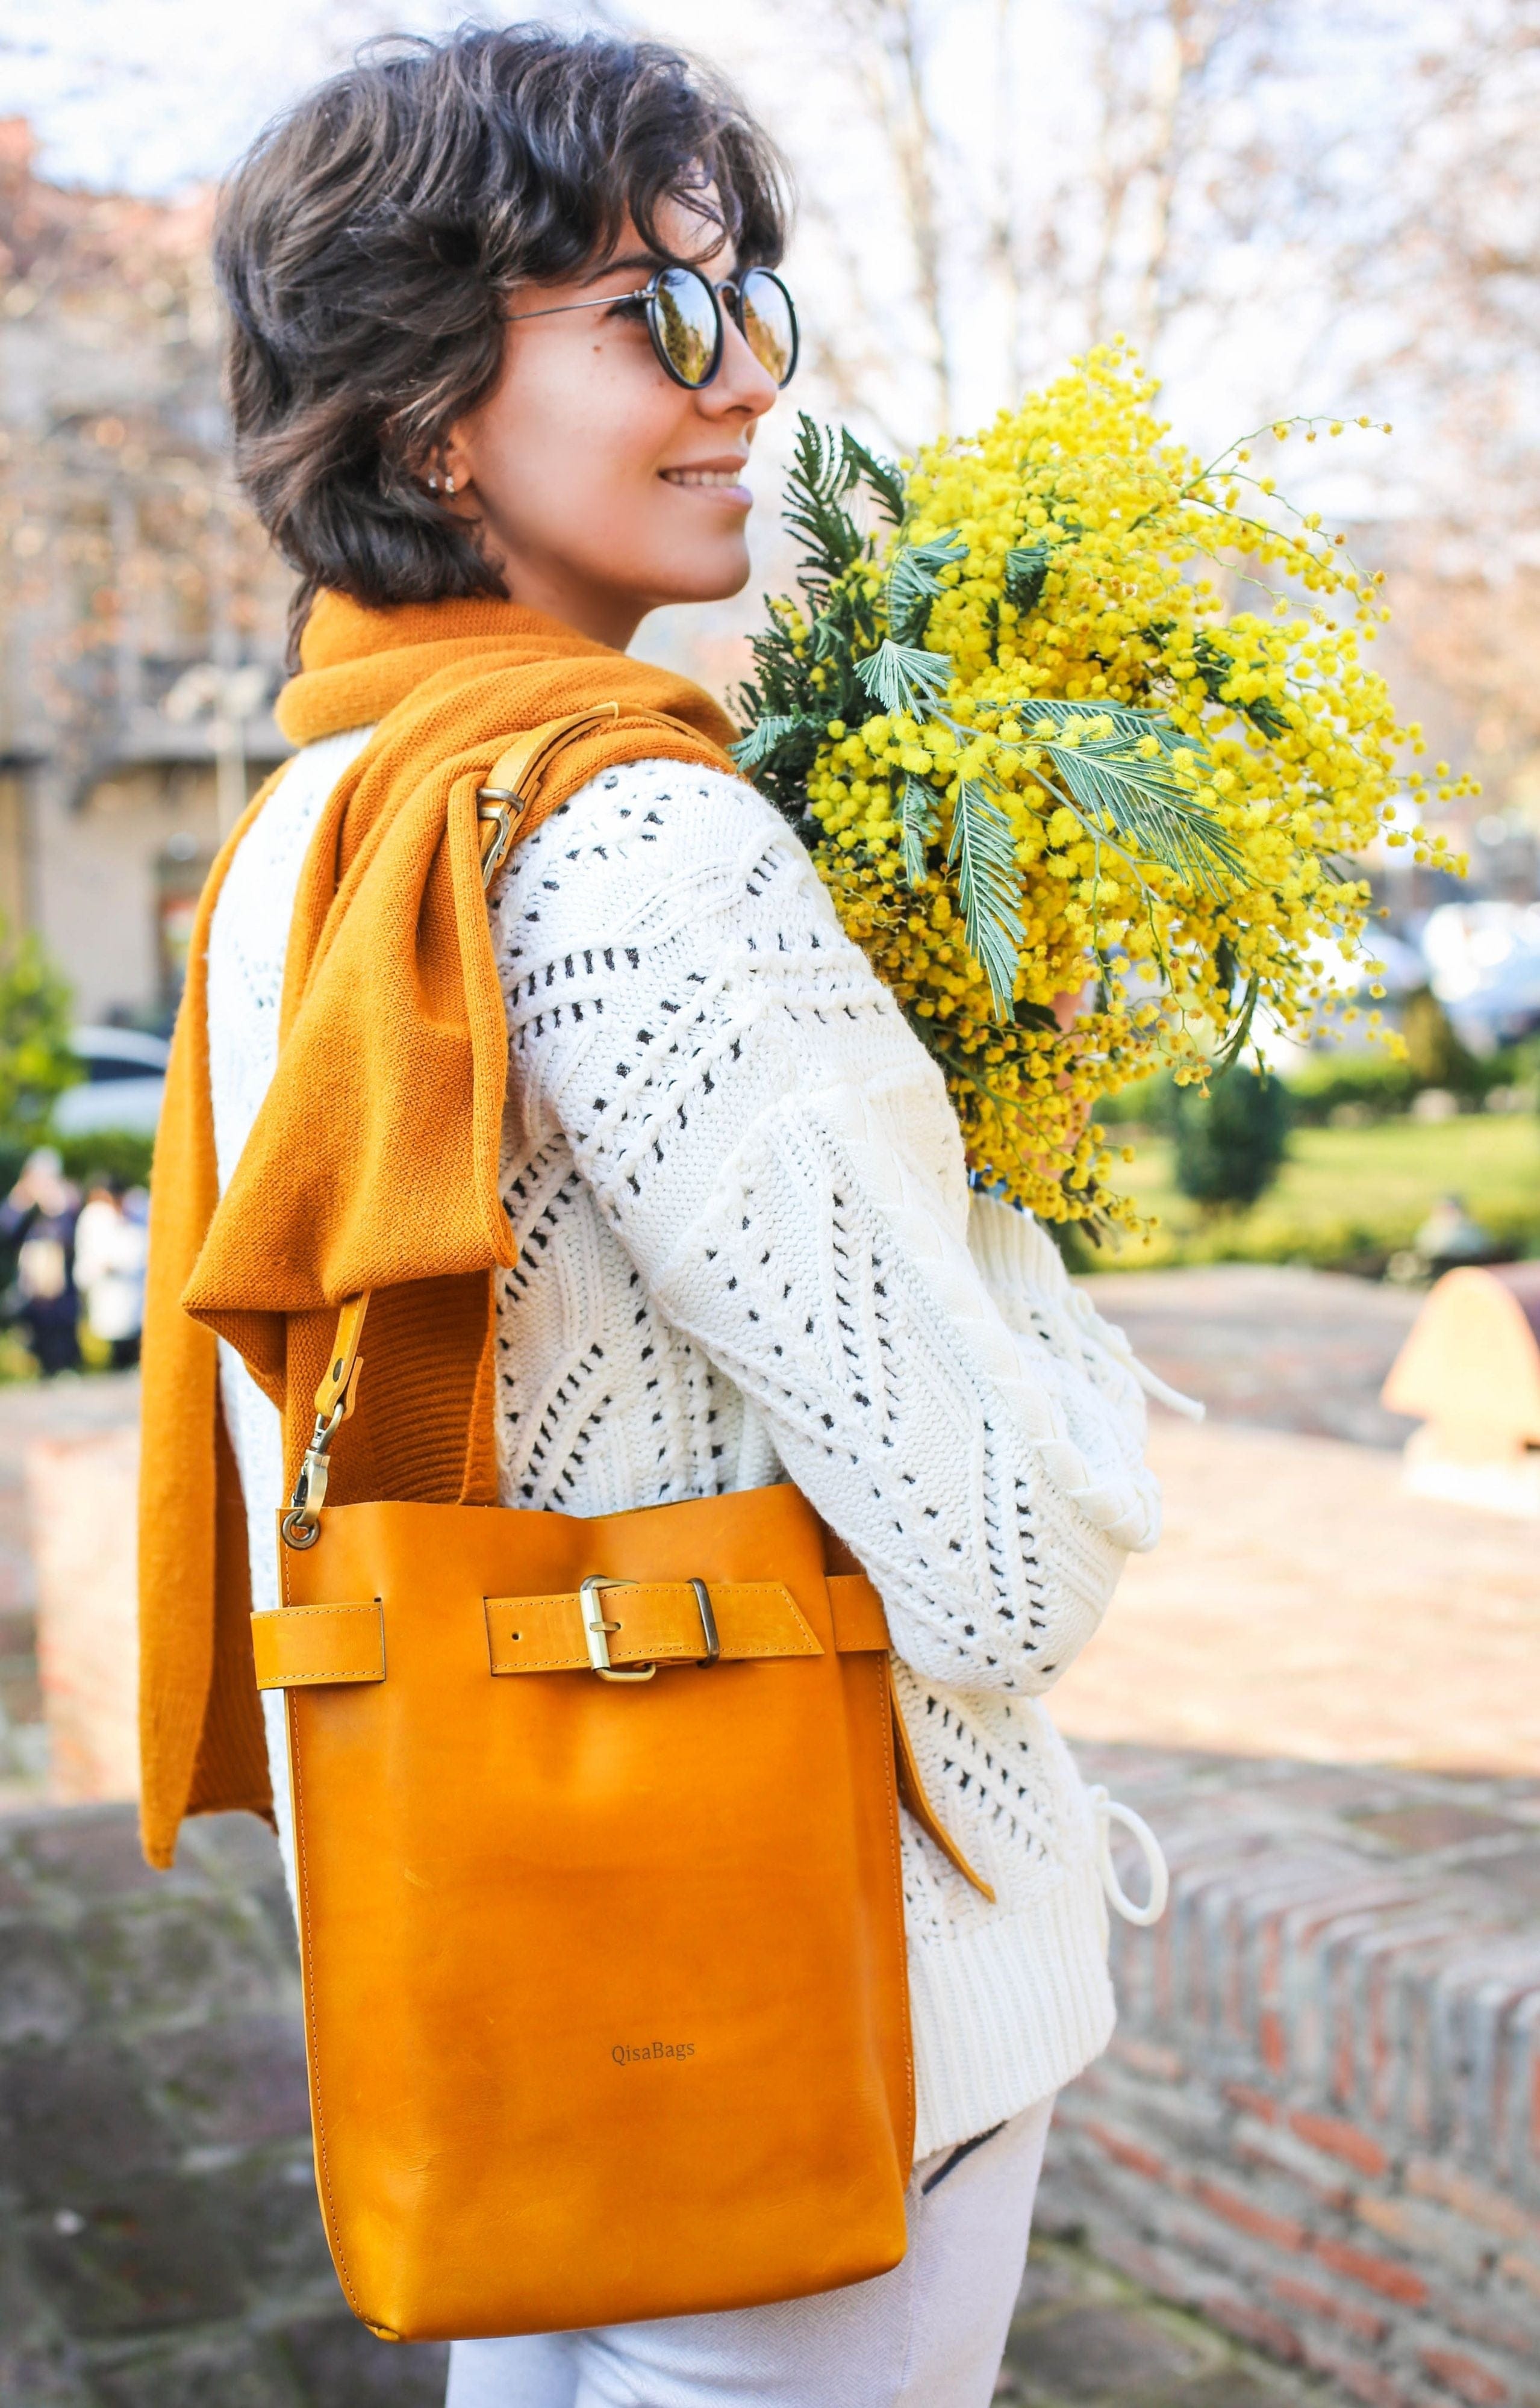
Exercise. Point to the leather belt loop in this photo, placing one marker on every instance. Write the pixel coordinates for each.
(860, 1619)
(317, 1646)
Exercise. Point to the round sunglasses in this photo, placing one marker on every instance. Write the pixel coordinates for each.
(684, 312)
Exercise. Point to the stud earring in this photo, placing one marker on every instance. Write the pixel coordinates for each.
(432, 482)
(449, 484)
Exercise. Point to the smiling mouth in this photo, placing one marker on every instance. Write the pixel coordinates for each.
(722, 480)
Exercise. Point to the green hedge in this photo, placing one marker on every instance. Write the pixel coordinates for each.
(1375, 1083)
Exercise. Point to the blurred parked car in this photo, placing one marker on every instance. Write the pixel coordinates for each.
(1484, 960)
(125, 1081)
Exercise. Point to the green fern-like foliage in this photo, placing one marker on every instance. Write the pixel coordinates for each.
(852, 646)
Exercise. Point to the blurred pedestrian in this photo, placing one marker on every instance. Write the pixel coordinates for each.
(111, 1253)
(41, 1212)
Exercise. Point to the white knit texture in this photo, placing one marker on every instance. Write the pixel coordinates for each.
(747, 1251)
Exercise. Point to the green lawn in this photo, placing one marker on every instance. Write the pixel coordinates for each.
(1348, 1197)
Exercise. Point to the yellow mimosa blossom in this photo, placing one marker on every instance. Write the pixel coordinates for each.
(1034, 754)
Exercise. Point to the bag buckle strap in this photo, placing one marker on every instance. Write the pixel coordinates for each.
(596, 1629)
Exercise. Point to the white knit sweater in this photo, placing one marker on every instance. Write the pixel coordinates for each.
(747, 1251)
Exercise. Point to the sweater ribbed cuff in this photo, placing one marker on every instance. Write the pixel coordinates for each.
(1006, 2013)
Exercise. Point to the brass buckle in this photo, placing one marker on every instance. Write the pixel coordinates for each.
(596, 1631)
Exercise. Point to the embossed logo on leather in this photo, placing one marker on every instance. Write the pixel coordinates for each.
(624, 2052)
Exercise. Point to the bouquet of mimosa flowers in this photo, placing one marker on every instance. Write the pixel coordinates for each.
(1075, 712)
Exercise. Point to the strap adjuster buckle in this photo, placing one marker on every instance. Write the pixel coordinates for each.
(596, 1629)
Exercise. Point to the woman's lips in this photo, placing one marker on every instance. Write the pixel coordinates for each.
(727, 482)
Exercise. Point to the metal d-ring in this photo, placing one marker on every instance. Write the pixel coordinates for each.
(708, 1628)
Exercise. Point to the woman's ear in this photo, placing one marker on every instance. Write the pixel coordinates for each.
(451, 467)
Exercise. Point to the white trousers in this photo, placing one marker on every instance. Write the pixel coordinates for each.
(928, 2335)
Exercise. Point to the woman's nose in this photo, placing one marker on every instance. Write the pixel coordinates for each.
(741, 383)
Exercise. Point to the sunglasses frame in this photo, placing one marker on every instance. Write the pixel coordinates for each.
(728, 295)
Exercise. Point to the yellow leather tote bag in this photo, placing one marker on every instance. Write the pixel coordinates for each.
(601, 1930)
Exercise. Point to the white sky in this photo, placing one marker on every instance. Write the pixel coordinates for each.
(149, 95)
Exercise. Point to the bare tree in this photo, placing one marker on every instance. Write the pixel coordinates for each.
(1014, 245)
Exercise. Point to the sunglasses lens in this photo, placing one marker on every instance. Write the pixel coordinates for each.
(685, 323)
(770, 322)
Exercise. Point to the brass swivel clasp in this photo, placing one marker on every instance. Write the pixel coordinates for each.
(301, 1524)
(335, 1400)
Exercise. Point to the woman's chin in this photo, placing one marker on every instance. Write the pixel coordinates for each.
(708, 578)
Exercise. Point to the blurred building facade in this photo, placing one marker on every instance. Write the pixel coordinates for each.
(142, 613)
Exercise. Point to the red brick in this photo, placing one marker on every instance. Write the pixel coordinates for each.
(1356, 2375)
(1427, 2179)
(1252, 2102)
(1426, 2233)
(1380, 2275)
(1476, 2314)
(1361, 2323)
(1521, 2270)
(1478, 2384)
(1124, 2153)
(1391, 2218)
(1270, 2032)
(1168, 2275)
(1281, 2230)
(1340, 2140)
(1381, 2053)
(1145, 2057)
(1344, 2062)
(1302, 2168)
(1238, 2316)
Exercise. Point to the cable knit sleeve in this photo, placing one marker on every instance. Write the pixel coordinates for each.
(777, 1155)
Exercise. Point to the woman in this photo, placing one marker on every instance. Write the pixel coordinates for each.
(39, 1218)
(110, 1259)
(493, 426)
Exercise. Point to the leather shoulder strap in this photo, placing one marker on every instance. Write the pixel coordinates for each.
(505, 802)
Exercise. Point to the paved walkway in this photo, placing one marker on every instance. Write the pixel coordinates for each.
(1268, 1344)
(1301, 1604)
(159, 2241)
(1086, 2338)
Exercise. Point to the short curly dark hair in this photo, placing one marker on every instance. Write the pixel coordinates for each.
(367, 243)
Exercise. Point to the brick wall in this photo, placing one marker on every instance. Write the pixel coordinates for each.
(1321, 2121)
